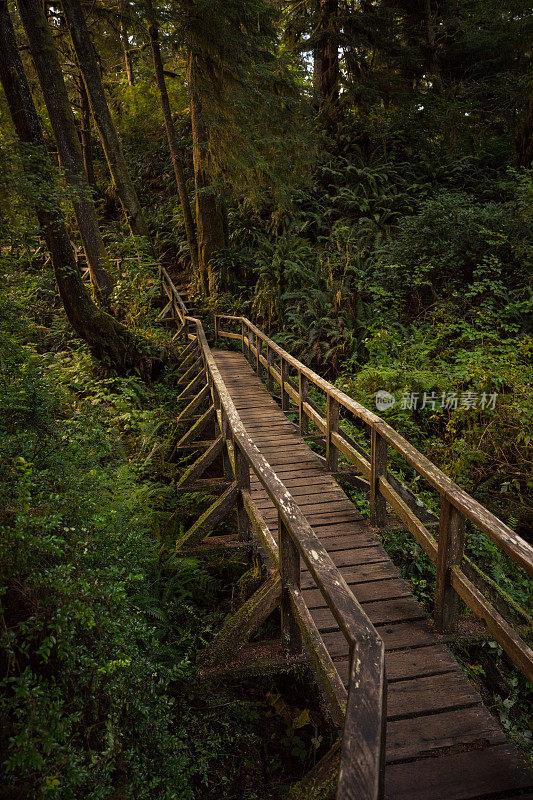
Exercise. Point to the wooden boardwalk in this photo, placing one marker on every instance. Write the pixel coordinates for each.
(441, 741)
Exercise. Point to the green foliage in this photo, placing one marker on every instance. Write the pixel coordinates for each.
(99, 624)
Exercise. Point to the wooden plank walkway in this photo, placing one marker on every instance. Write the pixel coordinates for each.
(441, 741)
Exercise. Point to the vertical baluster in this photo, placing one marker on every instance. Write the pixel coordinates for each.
(284, 378)
(303, 391)
(270, 359)
(332, 420)
(378, 506)
(242, 476)
(259, 346)
(289, 565)
(242, 335)
(450, 553)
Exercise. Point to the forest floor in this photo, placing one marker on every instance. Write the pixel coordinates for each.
(102, 623)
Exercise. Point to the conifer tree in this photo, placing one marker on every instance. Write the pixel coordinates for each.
(118, 168)
(123, 7)
(107, 339)
(179, 173)
(55, 95)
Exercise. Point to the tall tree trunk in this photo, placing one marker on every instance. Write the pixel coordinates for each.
(108, 340)
(85, 135)
(432, 67)
(172, 141)
(122, 8)
(524, 138)
(91, 75)
(63, 124)
(326, 55)
(209, 214)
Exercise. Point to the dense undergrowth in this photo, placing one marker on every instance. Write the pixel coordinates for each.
(101, 622)
(424, 290)
(399, 260)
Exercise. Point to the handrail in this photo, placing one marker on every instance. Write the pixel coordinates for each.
(456, 504)
(362, 756)
(174, 296)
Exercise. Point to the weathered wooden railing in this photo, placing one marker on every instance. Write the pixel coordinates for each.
(175, 309)
(360, 712)
(456, 505)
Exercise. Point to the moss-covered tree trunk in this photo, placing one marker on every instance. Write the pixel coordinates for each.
(326, 56)
(55, 95)
(524, 139)
(85, 135)
(172, 140)
(209, 211)
(107, 339)
(88, 63)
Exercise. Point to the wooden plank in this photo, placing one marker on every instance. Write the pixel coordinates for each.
(352, 557)
(463, 776)
(318, 518)
(302, 481)
(311, 495)
(322, 504)
(344, 535)
(397, 636)
(430, 694)
(365, 592)
(433, 659)
(360, 573)
(422, 736)
(379, 612)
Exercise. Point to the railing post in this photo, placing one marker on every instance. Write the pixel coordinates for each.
(378, 467)
(242, 476)
(289, 566)
(259, 347)
(332, 421)
(225, 433)
(303, 392)
(450, 553)
(284, 377)
(242, 335)
(270, 359)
